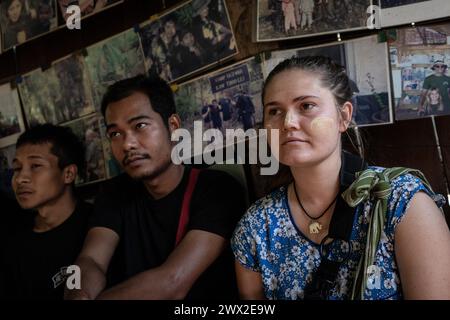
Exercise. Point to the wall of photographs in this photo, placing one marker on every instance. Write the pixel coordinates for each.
(218, 53)
(24, 20)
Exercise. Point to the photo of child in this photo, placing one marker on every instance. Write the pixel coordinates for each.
(433, 103)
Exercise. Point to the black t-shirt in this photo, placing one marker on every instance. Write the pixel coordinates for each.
(147, 227)
(34, 262)
(11, 216)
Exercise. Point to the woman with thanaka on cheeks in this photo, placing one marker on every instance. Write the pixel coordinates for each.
(396, 233)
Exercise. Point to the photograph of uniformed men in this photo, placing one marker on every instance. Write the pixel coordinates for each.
(188, 39)
(283, 19)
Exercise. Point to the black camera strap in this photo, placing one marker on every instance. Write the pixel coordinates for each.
(340, 228)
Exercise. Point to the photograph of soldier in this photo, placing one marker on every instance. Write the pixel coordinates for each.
(284, 19)
(40, 94)
(246, 110)
(112, 167)
(74, 86)
(22, 20)
(11, 122)
(6, 172)
(58, 94)
(113, 59)
(88, 131)
(187, 39)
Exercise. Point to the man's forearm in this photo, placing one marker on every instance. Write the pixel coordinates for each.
(152, 284)
(93, 281)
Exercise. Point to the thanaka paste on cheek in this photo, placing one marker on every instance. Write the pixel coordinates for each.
(323, 125)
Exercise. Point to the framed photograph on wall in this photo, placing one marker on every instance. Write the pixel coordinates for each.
(112, 167)
(398, 12)
(422, 56)
(39, 91)
(56, 95)
(75, 87)
(87, 130)
(87, 7)
(11, 121)
(288, 19)
(6, 172)
(229, 98)
(187, 39)
(366, 62)
(22, 20)
(114, 59)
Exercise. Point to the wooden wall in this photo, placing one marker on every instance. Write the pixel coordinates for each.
(406, 143)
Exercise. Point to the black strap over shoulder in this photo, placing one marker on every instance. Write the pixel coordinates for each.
(340, 228)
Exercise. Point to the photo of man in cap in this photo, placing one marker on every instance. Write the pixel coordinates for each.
(440, 81)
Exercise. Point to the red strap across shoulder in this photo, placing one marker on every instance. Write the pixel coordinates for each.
(184, 216)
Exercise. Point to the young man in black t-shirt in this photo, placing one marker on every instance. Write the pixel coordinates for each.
(132, 249)
(37, 254)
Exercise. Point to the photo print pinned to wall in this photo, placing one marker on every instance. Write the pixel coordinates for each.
(420, 75)
(112, 167)
(87, 129)
(398, 12)
(187, 39)
(11, 121)
(56, 95)
(22, 20)
(6, 172)
(366, 62)
(287, 19)
(229, 98)
(87, 7)
(114, 59)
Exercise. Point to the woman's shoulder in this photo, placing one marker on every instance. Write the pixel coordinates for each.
(405, 179)
(275, 199)
(264, 208)
(404, 184)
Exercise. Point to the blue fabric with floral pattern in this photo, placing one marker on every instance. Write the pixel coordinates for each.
(267, 241)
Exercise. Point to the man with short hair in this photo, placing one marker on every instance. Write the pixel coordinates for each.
(161, 230)
(47, 161)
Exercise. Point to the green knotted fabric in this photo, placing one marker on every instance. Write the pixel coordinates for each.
(376, 187)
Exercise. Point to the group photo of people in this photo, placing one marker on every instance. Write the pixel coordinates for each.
(188, 39)
(21, 20)
(295, 18)
(225, 99)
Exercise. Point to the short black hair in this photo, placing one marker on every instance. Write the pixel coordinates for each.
(156, 89)
(65, 145)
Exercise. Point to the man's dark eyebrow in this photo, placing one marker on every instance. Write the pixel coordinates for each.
(140, 117)
(30, 157)
(131, 120)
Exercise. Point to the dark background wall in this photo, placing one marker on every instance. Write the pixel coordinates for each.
(406, 143)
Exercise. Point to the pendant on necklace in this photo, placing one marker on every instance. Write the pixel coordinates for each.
(314, 227)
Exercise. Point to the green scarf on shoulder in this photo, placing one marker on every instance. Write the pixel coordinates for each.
(374, 186)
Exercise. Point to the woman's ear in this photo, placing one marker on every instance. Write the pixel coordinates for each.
(346, 116)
